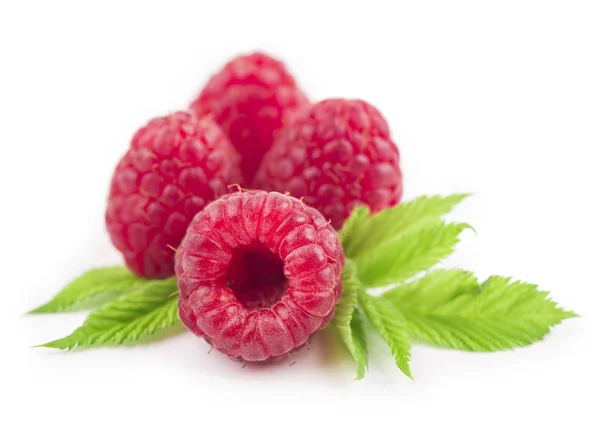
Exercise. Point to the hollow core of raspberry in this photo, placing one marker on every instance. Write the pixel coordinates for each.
(256, 276)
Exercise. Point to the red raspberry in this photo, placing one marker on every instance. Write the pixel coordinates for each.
(251, 97)
(335, 156)
(258, 273)
(173, 168)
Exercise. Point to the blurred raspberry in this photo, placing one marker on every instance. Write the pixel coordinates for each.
(251, 98)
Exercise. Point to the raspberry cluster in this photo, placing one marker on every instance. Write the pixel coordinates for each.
(259, 270)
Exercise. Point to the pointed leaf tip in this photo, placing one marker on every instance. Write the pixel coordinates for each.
(448, 308)
(104, 282)
(128, 319)
(347, 320)
(363, 232)
(391, 325)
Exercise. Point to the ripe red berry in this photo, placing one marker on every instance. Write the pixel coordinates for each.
(251, 98)
(335, 155)
(258, 273)
(173, 168)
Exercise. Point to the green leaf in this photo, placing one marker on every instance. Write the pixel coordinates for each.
(347, 320)
(401, 258)
(391, 325)
(359, 339)
(449, 309)
(353, 226)
(151, 308)
(108, 282)
(362, 234)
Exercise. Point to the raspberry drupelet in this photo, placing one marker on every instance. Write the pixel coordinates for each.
(258, 274)
(175, 165)
(336, 155)
(251, 97)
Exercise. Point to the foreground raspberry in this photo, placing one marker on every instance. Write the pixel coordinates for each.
(258, 273)
(336, 155)
(174, 167)
(251, 97)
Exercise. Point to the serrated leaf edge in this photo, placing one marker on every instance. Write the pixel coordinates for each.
(346, 314)
(169, 300)
(59, 305)
(378, 320)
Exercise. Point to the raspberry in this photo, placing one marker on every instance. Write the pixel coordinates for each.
(336, 155)
(258, 274)
(173, 168)
(251, 97)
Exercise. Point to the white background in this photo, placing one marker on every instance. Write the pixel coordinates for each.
(497, 98)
